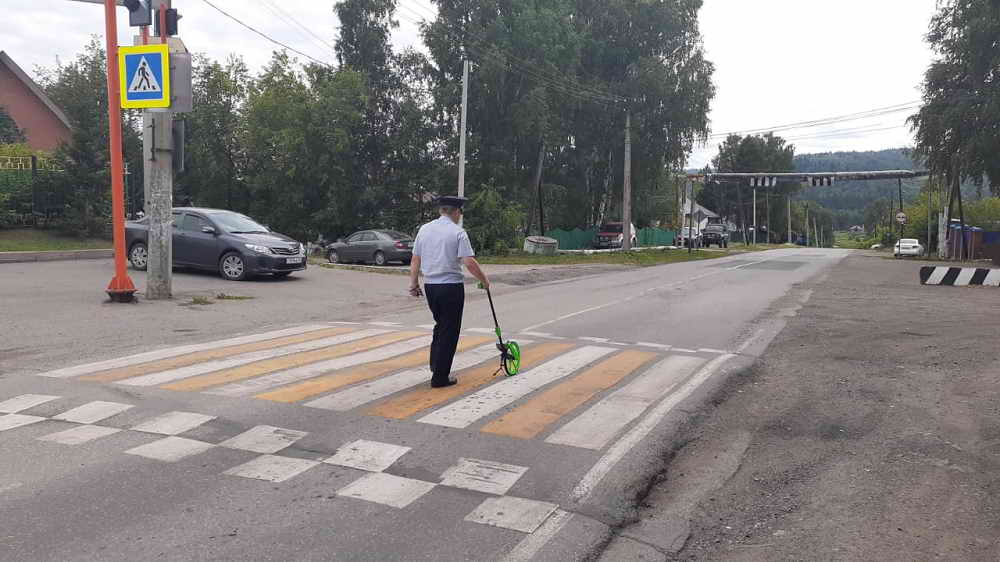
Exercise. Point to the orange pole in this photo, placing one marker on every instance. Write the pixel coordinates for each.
(121, 288)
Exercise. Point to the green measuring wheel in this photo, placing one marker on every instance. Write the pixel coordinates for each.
(510, 352)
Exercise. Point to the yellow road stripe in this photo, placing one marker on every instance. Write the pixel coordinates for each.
(470, 379)
(208, 355)
(530, 419)
(326, 383)
(287, 362)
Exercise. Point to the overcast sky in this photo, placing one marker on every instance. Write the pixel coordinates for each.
(777, 61)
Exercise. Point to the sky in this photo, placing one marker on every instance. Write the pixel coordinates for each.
(777, 62)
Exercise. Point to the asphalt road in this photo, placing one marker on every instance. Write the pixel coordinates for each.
(321, 442)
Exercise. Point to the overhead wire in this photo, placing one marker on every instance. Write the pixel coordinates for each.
(280, 12)
(266, 36)
(877, 112)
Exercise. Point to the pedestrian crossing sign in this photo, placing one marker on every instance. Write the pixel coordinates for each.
(144, 73)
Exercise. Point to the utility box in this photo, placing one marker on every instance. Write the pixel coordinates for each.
(181, 91)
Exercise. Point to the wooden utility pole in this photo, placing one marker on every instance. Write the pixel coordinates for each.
(627, 187)
(755, 216)
(930, 187)
(538, 188)
(789, 219)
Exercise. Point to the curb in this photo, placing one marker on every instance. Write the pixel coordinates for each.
(959, 276)
(24, 257)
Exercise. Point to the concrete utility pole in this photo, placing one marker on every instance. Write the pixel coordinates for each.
(157, 149)
(930, 185)
(461, 141)
(807, 224)
(789, 198)
(755, 216)
(689, 191)
(627, 188)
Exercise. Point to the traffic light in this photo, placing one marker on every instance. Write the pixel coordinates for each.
(172, 17)
(140, 12)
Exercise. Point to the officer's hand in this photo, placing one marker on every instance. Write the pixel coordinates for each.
(415, 291)
(484, 285)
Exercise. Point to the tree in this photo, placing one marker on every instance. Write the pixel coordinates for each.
(10, 133)
(956, 128)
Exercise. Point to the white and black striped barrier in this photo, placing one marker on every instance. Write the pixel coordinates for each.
(959, 276)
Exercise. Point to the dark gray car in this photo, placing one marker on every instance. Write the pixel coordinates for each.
(372, 246)
(233, 244)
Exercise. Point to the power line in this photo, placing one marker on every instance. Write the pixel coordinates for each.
(290, 19)
(266, 36)
(877, 112)
(848, 132)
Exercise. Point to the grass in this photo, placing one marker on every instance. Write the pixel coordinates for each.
(202, 301)
(34, 240)
(641, 259)
(225, 297)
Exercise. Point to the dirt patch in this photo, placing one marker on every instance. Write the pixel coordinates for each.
(874, 429)
(538, 275)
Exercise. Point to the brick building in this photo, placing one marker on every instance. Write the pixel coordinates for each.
(44, 124)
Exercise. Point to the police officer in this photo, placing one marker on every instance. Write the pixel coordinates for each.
(440, 250)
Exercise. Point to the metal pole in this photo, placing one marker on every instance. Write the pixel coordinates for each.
(930, 186)
(807, 224)
(121, 288)
(689, 192)
(754, 216)
(789, 219)
(461, 142)
(627, 187)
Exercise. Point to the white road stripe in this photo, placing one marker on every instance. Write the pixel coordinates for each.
(595, 340)
(11, 421)
(370, 456)
(426, 326)
(79, 434)
(536, 334)
(173, 423)
(174, 352)
(9, 487)
(267, 382)
(992, 278)
(264, 439)
(474, 407)
(634, 436)
(598, 425)
(683, 350)
(937, 275)
(92, 412)
(965, 276)
(24, 402)
(483, 476)
(386, 489)
(170, 449)
(653, 345)
(517, 514)
(171, 375)
(380, 388)
(710, 350)
(272, 468)
(386, 324)
(533, 543)
(481, 330)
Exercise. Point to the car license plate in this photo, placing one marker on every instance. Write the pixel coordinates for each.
(294, 260)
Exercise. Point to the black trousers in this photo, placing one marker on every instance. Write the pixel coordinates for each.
(447, 302)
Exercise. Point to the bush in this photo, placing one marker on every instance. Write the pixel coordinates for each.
(492, 225)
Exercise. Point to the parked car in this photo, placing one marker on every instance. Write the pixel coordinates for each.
(212, 239)
(716, 233)
(689, 236)
(908, 247)
(372, 246)
(610, 235)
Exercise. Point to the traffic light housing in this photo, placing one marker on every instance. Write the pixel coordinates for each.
(172, 17)
(140, 12)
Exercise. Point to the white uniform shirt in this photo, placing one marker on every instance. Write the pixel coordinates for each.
(441, 245)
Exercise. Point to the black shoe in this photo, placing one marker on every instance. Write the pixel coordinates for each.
(450, 382)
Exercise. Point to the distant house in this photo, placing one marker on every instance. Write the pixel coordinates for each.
(43, 123)
(857, 229)
(700, 214)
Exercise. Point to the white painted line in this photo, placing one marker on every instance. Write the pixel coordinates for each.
(11, 421)
(92, 412)
(171, 375)
(79, 434)
(710, 350)
(533, 543)
(965, 276)
(572, 314)
(347, 323)
(267, 382)
(937, 275)
(386, 489)
(598, 425)
(516, 514)
(426, 326)
(24, 402)
(683, 350)
(634, 436)
(483, 476)
(370, 456)
(170, 449)
(617, 343)
(386, 324)
(481, 330)
(174, 352)
(173, 423)
(380, 388)
(9, 487)
(992, 278)
(264, 439)
(595, 340)
(654, 345)
(272, 468)
(537, 334)
(474, 407)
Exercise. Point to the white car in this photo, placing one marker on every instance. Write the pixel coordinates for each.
(908, 247)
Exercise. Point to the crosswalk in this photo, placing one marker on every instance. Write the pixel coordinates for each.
(580, 392)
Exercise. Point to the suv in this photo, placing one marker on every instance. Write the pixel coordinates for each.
(689, 237)
(609, 235)
(716, 233)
